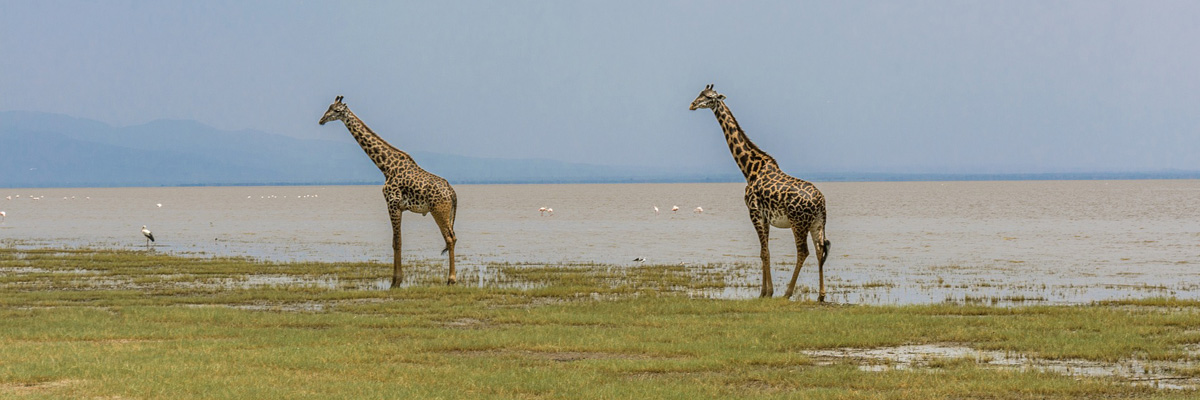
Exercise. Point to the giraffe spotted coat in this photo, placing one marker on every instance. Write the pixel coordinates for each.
(407, 186)
(773, 198)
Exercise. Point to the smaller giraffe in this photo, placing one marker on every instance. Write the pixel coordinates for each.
(773, 197)
(407, 187)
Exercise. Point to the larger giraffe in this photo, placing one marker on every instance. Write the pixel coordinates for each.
(407, 187)
(773, 197)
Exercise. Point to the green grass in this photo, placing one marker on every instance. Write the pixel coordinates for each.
(118, 324)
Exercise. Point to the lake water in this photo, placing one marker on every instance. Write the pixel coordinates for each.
(893, 242)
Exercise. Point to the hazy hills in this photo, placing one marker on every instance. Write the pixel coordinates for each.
(53, 150)
(49, 150)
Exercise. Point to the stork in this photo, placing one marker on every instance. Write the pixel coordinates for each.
(149, 236)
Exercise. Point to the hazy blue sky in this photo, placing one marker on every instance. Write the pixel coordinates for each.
(954, 86)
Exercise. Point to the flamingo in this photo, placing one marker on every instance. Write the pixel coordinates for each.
(698, 210)
(674, 208)
(149, 236)
(655, 210)
(3, 215)
(159, 205)
(550, 210)
(543, 211)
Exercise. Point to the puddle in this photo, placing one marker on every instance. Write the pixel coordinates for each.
(1137, 372)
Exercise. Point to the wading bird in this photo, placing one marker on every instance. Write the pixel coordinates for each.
(698, 210)
(674, 208)
(149, 236)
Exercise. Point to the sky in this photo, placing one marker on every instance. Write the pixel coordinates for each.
(863, 86)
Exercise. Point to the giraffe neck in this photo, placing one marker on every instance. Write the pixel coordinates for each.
(750, 159)
(379, 150)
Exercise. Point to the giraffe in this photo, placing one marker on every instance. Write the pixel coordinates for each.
(407, 187)
(773, 197)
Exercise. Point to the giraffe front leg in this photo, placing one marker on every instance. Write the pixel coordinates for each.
(801, 254)
(397, 273)
(764, 234)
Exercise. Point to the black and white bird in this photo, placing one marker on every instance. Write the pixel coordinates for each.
(640, 259)
(149, 235)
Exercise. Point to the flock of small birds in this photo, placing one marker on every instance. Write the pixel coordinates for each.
(150, 235)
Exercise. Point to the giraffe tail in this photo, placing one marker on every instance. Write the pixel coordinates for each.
(825, 254)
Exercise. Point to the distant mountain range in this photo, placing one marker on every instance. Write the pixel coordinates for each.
(53, 150)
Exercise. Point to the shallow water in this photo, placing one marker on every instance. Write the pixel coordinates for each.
(1027, 242)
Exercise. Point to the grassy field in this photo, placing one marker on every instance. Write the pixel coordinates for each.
(120, 324)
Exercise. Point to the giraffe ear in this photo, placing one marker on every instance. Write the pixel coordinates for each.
(338, 99)
(709, 87)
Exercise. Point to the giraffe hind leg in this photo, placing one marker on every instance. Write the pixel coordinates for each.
(445, 223)
(822, 248)
(801, 255)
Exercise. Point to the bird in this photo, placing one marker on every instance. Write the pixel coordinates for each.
(698, 210)
(655, 210)
(674, 208)
(543, 211)
(8, 197)
(149, 236)
(3, 215)
(159, 205)
(550, 210)
(640, 259)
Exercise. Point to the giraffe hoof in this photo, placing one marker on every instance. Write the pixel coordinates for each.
(451, 281)
(821, 299)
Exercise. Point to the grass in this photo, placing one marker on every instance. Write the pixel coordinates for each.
(120, 324)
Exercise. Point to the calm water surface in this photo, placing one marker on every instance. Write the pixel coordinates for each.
(902, 242)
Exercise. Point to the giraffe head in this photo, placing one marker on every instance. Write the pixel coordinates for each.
(337, 110)
(708, 98)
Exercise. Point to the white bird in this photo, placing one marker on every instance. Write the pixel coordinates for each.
(655, 210)
(159, 205)
(543, 211)
(149, 236)
(698, 210)
(3, 215)
(550, 210)
(8, 197)
(674, 208)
